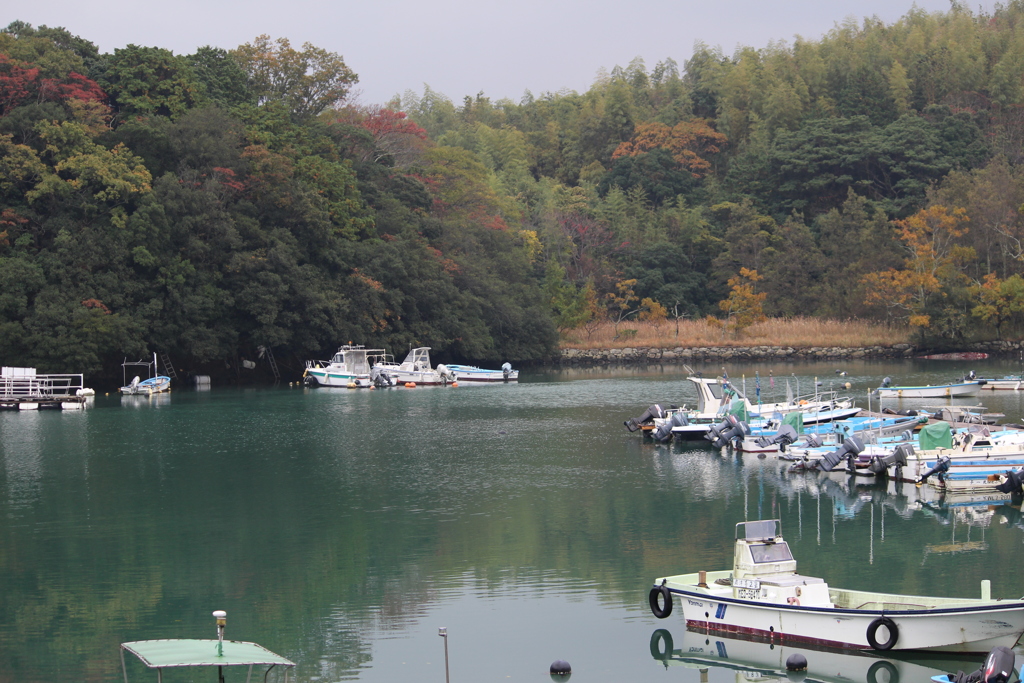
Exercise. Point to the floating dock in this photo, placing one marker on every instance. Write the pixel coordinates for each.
(23, 389)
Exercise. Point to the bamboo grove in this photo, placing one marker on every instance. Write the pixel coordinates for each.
(210, 204)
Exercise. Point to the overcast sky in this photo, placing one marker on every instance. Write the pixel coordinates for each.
(462, 47)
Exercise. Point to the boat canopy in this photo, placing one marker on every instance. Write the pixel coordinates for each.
(185, 652)
(937, 435)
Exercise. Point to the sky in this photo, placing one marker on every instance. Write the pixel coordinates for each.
(463, 47)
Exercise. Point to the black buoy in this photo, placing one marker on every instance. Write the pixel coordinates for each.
(796, 662)
(560, 667)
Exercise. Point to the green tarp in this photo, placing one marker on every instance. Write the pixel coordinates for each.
(938, 435)
(795, 420)
(158, 654)
(739, 409)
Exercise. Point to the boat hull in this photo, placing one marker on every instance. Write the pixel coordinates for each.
(148, 387)
(938, 391)
(326, 378)
(969, 629)
(467, 373)
(1006, 384)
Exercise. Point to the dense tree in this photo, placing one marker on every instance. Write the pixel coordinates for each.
(307, 81)
(225, 200)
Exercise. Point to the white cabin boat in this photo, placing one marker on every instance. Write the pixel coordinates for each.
(416, 369)
(763, 595)
(349, 367)
(471, 373)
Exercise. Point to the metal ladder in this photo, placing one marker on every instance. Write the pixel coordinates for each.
(165, 360)
(273, 364)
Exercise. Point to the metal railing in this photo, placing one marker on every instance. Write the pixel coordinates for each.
(39, 386)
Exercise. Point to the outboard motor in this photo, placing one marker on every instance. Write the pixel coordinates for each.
(814, 441)
(655, 411)
(506, 369)
(664, 431)
(971, 376)
(1014, 482)
(898, 457)
(381, 378)
(446, 374)
(887, 382)
(724, 432)
(785, 436)
(850, 449)
(941, 467)
(998, 668)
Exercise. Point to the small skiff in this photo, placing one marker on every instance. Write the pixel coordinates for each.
(953, 390)
(764, 596)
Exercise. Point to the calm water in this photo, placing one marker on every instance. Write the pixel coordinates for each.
(342, 528)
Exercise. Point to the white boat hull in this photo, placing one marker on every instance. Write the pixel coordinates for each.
(964, 629)
(326, 378)
(466, 373)
(1002, 385)
(938, 391)
(419, 378)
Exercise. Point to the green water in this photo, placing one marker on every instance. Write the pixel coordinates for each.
(342, 528)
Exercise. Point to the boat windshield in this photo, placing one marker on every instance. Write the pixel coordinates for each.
(770, 552)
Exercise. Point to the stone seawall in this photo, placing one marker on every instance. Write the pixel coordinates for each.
(641, 355)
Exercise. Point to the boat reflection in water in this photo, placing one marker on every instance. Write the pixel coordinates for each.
(714, 476)
(761, 660)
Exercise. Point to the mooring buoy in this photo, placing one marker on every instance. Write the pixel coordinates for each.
(560, 667)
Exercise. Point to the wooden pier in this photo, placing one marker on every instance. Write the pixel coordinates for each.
(23, 389)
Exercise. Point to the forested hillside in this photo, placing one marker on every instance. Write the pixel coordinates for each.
(209, 204)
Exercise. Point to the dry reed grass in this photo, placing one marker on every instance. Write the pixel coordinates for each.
(796, 332)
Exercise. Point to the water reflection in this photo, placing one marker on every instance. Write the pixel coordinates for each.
(762, 480)
(726, 658)
(341, 528)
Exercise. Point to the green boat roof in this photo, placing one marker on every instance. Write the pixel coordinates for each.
(159, 654)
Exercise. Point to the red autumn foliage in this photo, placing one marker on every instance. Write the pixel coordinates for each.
(20, 85)
(16, 83)
(72, 87)
(96, 303)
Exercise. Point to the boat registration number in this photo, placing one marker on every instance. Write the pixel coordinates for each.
(747, 593)
(752, 584)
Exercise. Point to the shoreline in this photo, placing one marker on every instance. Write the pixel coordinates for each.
(640, 355)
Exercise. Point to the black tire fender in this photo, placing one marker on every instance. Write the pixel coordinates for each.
(660, 594)
(656, 649)
(890, 625)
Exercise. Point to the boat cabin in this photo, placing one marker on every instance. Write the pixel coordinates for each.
(355, 358)
(417, 360)
(764, 568)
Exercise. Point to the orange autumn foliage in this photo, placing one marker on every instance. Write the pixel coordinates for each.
(689, 142)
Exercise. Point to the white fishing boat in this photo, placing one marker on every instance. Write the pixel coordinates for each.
(155, 383)
(763, 595)
(471, 373)
(416, 369)
(952, 390)
(350, 367)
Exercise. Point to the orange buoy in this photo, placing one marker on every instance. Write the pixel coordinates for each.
(455, 384)
(410, 385)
